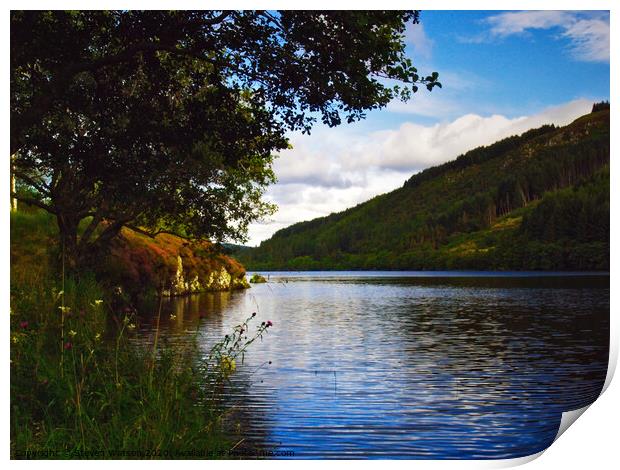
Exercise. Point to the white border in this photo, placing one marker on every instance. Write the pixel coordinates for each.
(591, 443)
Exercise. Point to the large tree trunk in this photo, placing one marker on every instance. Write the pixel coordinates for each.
(78, 251)
(67, 226)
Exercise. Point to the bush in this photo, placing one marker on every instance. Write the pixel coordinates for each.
(257, 279)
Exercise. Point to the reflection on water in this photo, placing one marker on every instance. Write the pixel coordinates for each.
(406, 365)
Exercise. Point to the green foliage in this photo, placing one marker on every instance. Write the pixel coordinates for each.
(257, 279)
(466, 214)
(579, 213)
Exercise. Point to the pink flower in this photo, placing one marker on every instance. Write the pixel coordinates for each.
(23, 324)
(269, 323)
(68, 345)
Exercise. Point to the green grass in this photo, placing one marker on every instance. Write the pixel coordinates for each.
(81, 388)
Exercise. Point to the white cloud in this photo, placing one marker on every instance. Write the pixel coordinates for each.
(416, 37)
(334, 169)
(588, 33)
(434, 104)
(518, 22)
(590, 40)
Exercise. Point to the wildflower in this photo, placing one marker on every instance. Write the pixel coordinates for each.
(97, 336)
(269, 323)
(23, 325)
(227, 364)
(173, 317)
(98, 302)
(131, 326)
(72, 333)
(15, 339)
(64, 309)
(68, 345)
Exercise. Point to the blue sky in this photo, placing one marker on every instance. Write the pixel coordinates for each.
(502, 73)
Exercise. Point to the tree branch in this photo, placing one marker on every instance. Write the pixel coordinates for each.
(142, 231)
(157, 232)
(34, 202)
(275, 20)
(91, 228)
(110, 232)
(219, 18)
(39, 186)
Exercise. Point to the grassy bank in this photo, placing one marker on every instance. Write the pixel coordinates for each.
(80, 388)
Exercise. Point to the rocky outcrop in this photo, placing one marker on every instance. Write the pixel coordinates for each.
(171, 265)
(217, 280)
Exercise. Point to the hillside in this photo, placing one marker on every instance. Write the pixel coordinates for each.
(535, 201)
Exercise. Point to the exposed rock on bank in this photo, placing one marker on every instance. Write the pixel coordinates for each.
(171, 265)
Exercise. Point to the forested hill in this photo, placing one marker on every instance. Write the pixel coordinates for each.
(535, 201)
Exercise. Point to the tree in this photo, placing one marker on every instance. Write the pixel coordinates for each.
(167, 121)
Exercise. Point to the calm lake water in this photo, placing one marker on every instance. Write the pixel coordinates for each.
(406, 364)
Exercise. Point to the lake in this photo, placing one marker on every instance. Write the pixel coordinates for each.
(417, 365)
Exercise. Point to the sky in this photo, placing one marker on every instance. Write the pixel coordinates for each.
(502, 74)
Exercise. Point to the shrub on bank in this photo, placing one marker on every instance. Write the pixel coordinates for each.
(257, 279)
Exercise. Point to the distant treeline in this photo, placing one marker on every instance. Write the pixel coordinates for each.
(535, 201)
(600, 106)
